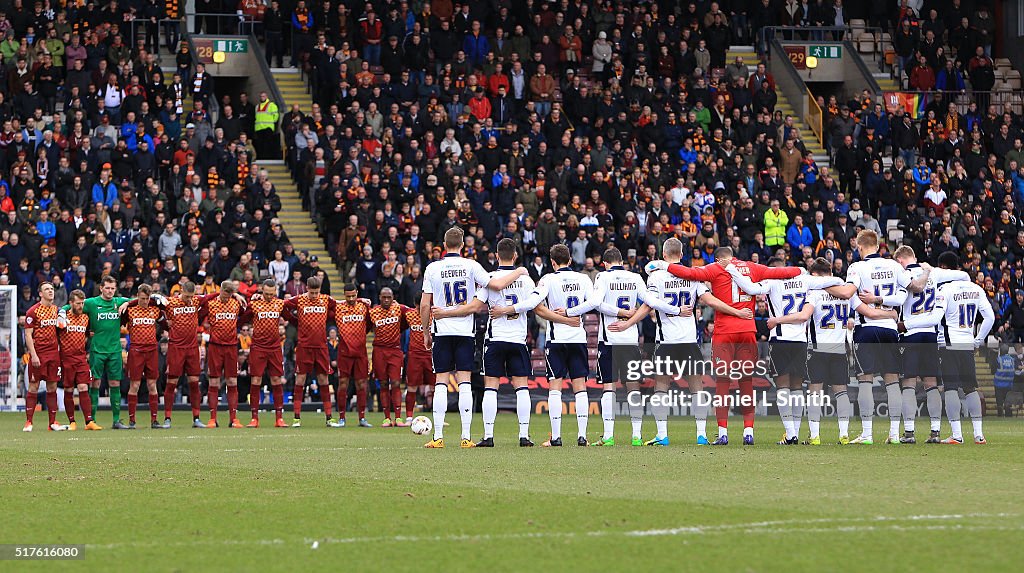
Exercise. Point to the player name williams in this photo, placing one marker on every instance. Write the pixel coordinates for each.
(621, 286)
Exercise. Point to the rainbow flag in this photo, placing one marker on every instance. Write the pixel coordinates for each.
(912, 103)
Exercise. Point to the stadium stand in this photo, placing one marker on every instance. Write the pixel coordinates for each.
(613, 123)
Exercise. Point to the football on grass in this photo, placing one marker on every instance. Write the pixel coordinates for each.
(421, 425)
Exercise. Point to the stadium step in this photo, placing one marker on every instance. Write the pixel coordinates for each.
(811, 141)
(985, 382)
(293, 88)
(886, 82)
(302, 233)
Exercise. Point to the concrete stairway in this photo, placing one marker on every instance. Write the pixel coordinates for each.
(300, 228)
(293, 89)
(751, 58)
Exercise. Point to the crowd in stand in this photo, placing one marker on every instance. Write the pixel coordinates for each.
(584, 123)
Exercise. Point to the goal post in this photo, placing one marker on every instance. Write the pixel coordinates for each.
(10, 358)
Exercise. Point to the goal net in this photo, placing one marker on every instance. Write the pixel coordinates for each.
(10, 358)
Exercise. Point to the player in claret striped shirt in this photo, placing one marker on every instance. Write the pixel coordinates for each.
(388, 320)
(44, 356)
(74, 360)
(312, 312)
(265, 312)
(352, 317)
(143, 321)
(222, 315)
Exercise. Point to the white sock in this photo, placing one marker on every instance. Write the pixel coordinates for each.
(953, 412)
(440, 409)
(866, 403)
(723, 431)
(796, 410)
(909, 409)
(844, 409)
(636, 413)
(934, 400)
(608, 413)
(555, 412)
(814, 413)
(700, 412)
(523, 406)
(894, 396)
(490, 407)
(582, 412)
(748, 432)
(660, 410)
(974, 410)
(785, 411)
(466, 408)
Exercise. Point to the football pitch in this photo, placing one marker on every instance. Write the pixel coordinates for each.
(373, 499)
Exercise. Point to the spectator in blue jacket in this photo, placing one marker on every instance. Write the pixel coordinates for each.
(47, 230)
(476, 45)
(950, 79)
(798, 236)
(104, 191)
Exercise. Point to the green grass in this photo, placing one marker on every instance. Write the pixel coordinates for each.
(373, 499)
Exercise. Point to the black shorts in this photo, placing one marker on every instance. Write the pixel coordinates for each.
(788, 358)
(876, 350)
(958, 369)
(616, 361)
(453, 354)
(830, 368)
(567, 360)
(685, 353)
(506, 359)
(920, 355)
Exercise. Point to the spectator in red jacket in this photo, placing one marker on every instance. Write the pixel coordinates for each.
(480, 106)
(922, 78)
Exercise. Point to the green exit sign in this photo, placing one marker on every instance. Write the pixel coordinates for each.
(825, 51)
(231, 46)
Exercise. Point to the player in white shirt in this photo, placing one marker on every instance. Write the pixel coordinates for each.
(448, 284)
(566, 350)
(617, 295)
(825, 316)
(919, 348)
(676, 340)
(505, 350)
(787, 341)
(882, 282)
(957, 306)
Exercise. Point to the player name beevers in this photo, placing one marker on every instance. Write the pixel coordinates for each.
(453, 273)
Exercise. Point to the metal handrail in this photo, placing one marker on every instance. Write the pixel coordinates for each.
(815, 116)
(801, 86)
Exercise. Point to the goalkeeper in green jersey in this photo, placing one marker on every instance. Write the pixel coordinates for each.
(105, 346)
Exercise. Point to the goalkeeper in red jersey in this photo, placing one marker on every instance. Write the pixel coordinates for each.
(388, 319)
(734, 342)
(265, 355)
(73, 330)
(312, 311)
(352, 316)
(143, 321)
